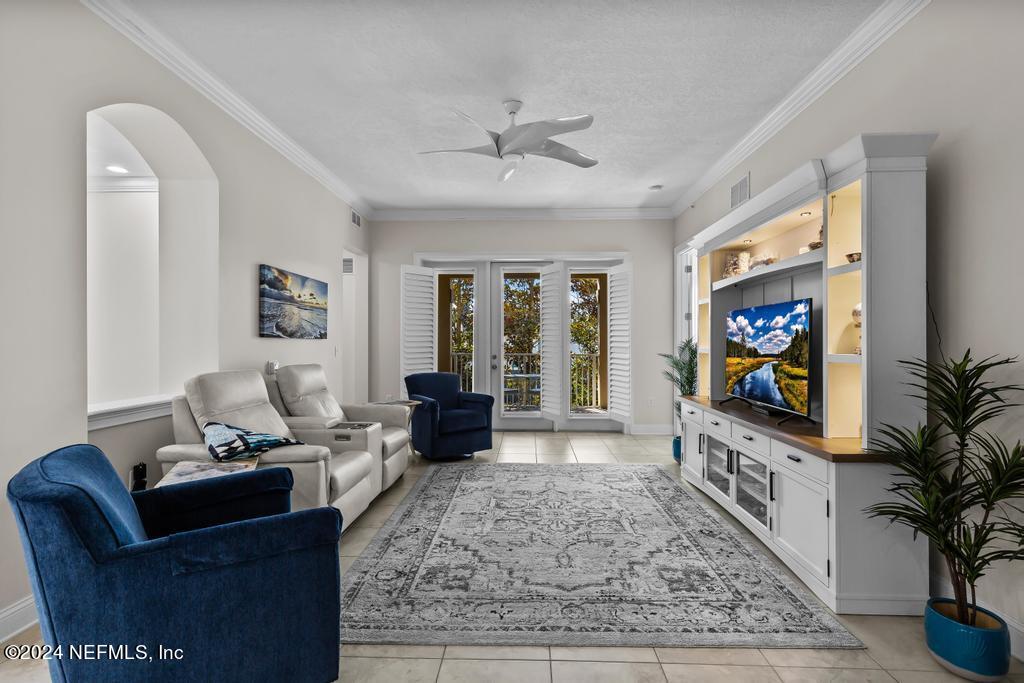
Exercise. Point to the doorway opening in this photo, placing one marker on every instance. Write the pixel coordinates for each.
(588, 343)
(520, 343)
(456, 312)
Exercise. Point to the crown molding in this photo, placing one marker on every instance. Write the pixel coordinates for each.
(122, 184)
(427, 215)
(875, 30)
(164, 50)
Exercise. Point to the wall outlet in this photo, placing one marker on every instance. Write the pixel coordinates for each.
(389, 397)
(650, 402)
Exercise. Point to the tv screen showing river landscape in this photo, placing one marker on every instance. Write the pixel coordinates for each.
(292, 306)
(767, 354)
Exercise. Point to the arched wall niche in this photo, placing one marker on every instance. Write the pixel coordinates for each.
(187, 260)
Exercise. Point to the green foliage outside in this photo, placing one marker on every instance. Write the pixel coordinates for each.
(585, 341)
(461, 328)
(522, 313)
(462, 314)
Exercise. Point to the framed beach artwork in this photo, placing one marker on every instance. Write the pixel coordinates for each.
(292, 306)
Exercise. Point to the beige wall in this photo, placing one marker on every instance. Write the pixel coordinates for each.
(57, 62)
(649, 244)
(954, 69)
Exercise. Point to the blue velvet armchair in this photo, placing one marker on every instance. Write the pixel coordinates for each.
(218, 570)
(450, 423)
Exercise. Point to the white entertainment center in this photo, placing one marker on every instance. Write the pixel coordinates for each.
(846, 231)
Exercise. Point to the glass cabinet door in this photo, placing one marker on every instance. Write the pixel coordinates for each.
(752, 486)
(718, 466)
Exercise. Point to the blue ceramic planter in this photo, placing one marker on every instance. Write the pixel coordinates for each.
(677, 449)
(975, 653)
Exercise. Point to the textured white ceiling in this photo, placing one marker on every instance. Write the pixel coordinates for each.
(365, 84)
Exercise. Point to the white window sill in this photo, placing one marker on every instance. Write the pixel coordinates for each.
(114, 413)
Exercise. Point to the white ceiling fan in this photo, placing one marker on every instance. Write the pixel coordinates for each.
(518, 140)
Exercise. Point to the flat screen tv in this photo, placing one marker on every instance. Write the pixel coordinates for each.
(767, 355)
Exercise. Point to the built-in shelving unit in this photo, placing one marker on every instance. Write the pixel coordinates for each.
(846, 231)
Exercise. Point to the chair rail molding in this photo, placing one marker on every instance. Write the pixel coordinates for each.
(169, 54)
(876, 29)
(114, 413)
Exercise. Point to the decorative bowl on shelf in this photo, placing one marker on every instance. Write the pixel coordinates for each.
(815, 245)
(853, 256)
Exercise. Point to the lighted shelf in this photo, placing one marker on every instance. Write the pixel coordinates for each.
(703, 302)
(775, 269)
(844, 395)
(844, 358)
(704, 326)
(704, 373)
(845, 268)
(844, 223)
(704, 349)
(844, 293)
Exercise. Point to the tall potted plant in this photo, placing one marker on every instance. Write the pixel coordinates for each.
(682, 373)
(960, 486)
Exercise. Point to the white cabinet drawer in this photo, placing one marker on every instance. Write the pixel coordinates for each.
(749, 439)
(717, 425)
(798, 461)
(692, 414)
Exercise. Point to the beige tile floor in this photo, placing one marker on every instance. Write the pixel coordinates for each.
(895, 648)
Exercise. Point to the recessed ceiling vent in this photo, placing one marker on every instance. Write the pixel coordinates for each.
(357, 220)
(740, 192)
(347, 265)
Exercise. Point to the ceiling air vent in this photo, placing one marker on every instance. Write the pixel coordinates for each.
(347, 266)
(357, 220)
(740, 192)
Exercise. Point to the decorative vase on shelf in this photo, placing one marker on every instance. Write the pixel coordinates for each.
(857, 314)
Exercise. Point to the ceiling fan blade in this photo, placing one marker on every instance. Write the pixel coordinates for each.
(527, 136)
(486, 150)
(508, 171)
(469, 119)
(556, 150)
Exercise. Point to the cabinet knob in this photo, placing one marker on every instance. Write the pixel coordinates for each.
(714, 422)
(748, 437)
(794, 458)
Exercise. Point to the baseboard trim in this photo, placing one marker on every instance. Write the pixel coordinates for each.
(17, 617)
(653, 429)
(881, 604)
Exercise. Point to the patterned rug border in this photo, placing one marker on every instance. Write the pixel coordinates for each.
(838, 638)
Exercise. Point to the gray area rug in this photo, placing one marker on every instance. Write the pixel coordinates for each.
(510, 554)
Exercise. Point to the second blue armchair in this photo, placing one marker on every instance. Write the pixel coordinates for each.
(451, 423)
(217, 571)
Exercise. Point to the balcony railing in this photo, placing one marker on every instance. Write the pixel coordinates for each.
(462, 365)
(521, 391)
(585, 382)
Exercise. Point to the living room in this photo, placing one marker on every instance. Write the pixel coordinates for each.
(230, 254)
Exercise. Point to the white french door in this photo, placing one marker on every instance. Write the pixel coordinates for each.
(516, 354)
(521, 338)
(620, 331)
(418, 322)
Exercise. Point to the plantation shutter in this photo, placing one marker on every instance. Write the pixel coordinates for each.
(419, 322)
(620, 294)
(553, 292)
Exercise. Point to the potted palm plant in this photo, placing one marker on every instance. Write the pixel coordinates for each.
(682, 373)
(960, 486)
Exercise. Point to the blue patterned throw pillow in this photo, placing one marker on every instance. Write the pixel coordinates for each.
(228, 443)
